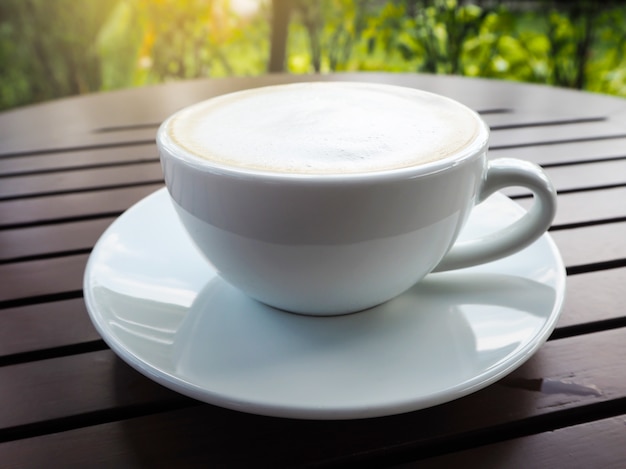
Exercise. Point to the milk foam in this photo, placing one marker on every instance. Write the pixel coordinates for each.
(322, 128)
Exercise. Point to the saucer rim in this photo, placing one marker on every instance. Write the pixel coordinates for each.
(342, 412)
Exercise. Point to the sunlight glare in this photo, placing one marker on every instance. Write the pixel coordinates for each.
(245, 8)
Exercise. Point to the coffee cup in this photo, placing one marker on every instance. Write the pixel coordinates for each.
(333, 197)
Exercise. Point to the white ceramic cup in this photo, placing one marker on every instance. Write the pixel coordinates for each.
(335, 243)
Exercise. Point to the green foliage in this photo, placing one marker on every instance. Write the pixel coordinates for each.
(47, 49)
(52, 48)
(117, 34)
(327, 35)
(195, 38)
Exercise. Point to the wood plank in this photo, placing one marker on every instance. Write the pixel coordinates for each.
(566, 152)
(87, 140)
(70, 206)
(77, 159)
(49, 240)
(587, 206)
(515, 117)
(581, 176)
(45, 277)
(594, 296)
(592, 244)
(567, 178)
(84, 115)
(592, 445)
(562, 381)
(555, 133)
(76, 384)
(597, 444)
(45, 326)
(81, 180)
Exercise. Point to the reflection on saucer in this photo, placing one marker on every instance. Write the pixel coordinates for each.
(457, 324)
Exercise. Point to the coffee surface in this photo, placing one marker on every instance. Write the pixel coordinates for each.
(325, 128)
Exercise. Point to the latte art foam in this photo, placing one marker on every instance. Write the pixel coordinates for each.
(325, 128)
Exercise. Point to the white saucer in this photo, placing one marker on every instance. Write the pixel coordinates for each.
(164, 310)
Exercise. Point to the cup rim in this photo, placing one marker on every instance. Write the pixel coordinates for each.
(168, 148)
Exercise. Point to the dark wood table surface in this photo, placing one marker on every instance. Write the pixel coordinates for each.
(68, 168)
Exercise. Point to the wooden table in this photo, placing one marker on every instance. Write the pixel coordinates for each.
(69, 168)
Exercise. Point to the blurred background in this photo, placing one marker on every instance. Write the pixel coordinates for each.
(56, 48)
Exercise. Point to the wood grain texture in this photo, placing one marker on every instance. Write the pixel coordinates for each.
(71, 160)
(45, 326)
(595, 296)
(592, 244)
(43, 277)
(70, 386)
(583, 176)
(534, 136)
(81, 180)
(566, 153)
(50, 240)
(67, 207)
(587, 207)
(591, 445)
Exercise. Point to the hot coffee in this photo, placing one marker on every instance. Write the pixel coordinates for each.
(330, 198)
(325, 128)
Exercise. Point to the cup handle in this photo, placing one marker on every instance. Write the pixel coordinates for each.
(507, 172)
